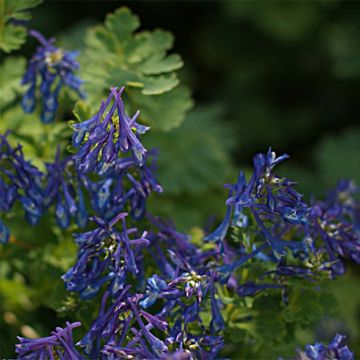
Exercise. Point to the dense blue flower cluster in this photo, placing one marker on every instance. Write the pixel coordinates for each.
(119, 330)
(337, 222)
(335, 350)
(318, 236)
(56, 68)
(101, 138)
(267, 198)
(59, 345)
(19, 180)
(162, 296)
(125, 184)
(98, 181)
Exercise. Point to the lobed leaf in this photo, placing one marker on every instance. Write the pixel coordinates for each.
(115, 56)
(12, 36)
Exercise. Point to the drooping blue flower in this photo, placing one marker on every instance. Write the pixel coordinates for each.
(55, 68)
(59, 345)
(100, 139)
(106, 255)
(20, 180)
(269, 199)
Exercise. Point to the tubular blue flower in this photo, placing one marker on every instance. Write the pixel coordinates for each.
(335, 350)
(101, 138)
(105, 255)
(155, 286)
(63, 187)
(217, 322)
(20, 180)
(335, 222)
(56, 68)
(269, 199)
(59, 345)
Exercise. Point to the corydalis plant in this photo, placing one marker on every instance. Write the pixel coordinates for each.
(101, 138)
(55, 68)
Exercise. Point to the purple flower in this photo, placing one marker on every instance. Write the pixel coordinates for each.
(64, 187)
(59, 345)
(56, 68)
(19, 179)
(336, 222)
(111, 131)
(335, 350)
(105, 255)
(269, 200)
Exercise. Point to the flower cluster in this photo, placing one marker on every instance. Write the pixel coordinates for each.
(110, 177)
(335, 350)
(56, 68)
(318, 236)
(105, 254)
(68, 185)
(268, 198)
(101, 138)
(336, 221)
(19, 180)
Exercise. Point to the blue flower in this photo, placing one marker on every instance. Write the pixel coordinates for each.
(335, 350)
(20, 180)
(108, 133)
(106, 255)
(60, 344)
(269, 199)
(56, 68)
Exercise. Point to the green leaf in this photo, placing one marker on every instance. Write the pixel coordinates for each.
(162, 112)
(122, 23)
(157, 64)
(15, 9)
(11, 71)
(13, 36)
(39, 141)
(304, 306)
(116, 56)
(269, 323)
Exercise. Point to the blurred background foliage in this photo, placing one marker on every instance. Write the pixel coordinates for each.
(261, 73)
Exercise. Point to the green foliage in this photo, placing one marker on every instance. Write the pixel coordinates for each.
(339, 157)
(193, 165)
(38, 140)
(304, 307)
(116, 56)
(11, 71)
(12, 36)
(284, 20)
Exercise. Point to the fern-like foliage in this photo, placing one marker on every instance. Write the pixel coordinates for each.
(12, 15)
(116, 55)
